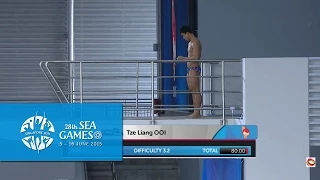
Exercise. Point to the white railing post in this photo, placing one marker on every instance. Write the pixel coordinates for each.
(137, 89)
(71, 49)
(81, 83)
(152, 92)
(223, 94)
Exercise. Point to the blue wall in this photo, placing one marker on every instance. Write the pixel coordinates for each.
(182, 18)
(181, 10)
(166, 46)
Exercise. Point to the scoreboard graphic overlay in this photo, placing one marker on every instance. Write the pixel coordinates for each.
(95, 132)
(203, 141)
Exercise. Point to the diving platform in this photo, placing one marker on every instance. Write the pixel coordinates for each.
(140, 99)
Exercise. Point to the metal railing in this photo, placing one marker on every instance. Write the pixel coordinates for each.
(136, 104)
(114, 172)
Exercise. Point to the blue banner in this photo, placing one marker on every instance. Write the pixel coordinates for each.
(61, 132)
(203, 151)
(226, 169)
(232, 132)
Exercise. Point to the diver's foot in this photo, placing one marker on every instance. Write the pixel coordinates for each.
(194, 115)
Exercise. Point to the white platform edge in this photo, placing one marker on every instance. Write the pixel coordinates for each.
(237, 122)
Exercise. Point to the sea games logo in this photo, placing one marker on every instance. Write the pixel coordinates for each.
(37, 131)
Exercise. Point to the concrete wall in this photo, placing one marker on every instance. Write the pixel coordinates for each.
(276, 99)
(314, 107)
(238, 29)
(232, 85)
(233, 29)
(80, 174)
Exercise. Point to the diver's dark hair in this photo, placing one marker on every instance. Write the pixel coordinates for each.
(186, 29)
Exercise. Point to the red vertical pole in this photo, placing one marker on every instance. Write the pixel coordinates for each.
(174, 45)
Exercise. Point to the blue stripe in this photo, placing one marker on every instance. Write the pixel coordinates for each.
(218, 169)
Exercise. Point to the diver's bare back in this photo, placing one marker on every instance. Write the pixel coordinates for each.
(191, 52)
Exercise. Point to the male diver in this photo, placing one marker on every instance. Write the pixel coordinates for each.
(194, 69)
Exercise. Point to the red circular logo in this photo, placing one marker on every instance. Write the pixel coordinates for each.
(311, 162)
